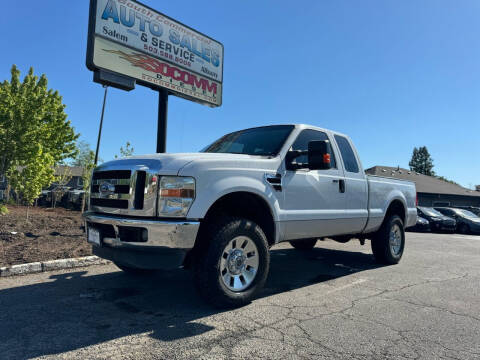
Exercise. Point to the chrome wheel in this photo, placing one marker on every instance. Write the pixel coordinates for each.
(239, 263)
(396, 239)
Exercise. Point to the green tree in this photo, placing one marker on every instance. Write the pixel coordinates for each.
(125, 151)
(35, 134)
(421, 161)
(85, 158)
(28, 177)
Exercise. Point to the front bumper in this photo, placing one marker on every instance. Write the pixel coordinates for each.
(419, 227)
(441, 226)
(165, 246)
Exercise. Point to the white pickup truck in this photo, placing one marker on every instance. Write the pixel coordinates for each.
(220, 210)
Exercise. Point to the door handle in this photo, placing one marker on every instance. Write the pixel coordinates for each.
(341, 184)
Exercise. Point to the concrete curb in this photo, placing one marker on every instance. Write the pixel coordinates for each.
(37, 267)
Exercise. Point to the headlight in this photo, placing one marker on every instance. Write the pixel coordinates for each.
(175, 196)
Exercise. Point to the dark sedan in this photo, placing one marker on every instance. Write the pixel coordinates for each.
(467, 221)
(422, 225)
(438, 221)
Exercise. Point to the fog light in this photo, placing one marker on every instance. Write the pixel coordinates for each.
(144, 235)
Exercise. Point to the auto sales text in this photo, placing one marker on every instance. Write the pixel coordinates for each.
(184, 47)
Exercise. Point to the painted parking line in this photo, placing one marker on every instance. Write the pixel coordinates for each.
(346, 286)
(450, 236)
(466, 237)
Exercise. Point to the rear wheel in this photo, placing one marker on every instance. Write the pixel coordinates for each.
(304, 245)
(233, 265)
(389, 242)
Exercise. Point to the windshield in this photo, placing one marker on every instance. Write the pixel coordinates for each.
(431, 212)
(466, 213)
(264, 141)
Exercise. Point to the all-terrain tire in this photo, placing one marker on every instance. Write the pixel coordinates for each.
(385, 249)
(304, 245)
(207, 265)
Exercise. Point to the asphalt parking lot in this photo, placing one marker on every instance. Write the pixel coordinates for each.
(332, 302)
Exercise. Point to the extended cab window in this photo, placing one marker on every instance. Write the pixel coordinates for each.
(302, 141)
(349, 160)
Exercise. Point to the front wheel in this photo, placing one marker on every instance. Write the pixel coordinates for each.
(233, 266)
(389, 242)
(464, 229)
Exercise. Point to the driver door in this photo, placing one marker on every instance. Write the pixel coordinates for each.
(314, 203)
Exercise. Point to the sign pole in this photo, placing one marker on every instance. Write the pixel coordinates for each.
(162, 121)
(101, 124)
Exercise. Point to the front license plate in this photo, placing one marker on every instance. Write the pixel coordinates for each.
(93, 236)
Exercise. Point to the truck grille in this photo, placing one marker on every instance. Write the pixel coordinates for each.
(112, 174)
(121, 204)
(123, 192)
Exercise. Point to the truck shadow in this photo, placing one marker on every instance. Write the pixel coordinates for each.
(74, 310)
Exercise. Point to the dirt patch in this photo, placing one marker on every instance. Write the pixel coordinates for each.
(48, 235)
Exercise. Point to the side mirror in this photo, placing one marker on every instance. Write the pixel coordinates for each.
(319, 155)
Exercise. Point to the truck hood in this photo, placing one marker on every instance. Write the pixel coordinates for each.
(171, 164)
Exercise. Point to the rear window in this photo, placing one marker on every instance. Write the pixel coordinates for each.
(349, 160)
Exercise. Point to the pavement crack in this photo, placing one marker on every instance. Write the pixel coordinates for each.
(434, 307)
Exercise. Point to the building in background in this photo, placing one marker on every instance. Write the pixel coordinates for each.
(430, 190)
(75, 174)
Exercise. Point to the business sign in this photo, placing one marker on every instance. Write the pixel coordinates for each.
(134, 40)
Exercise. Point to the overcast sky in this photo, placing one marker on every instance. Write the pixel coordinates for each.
(391, 74)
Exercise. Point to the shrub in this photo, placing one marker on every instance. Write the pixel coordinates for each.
(3, 210)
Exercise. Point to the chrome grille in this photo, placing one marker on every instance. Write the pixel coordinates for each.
(111, 188)
(112, 174)
(128, 192)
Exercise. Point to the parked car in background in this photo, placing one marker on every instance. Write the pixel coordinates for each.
(44, 198)
(467, 221)
(473, 209)
(438, 221)
(74, 199)
(422, 225)
(53, 198)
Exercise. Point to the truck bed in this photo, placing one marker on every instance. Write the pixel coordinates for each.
(382, 191)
